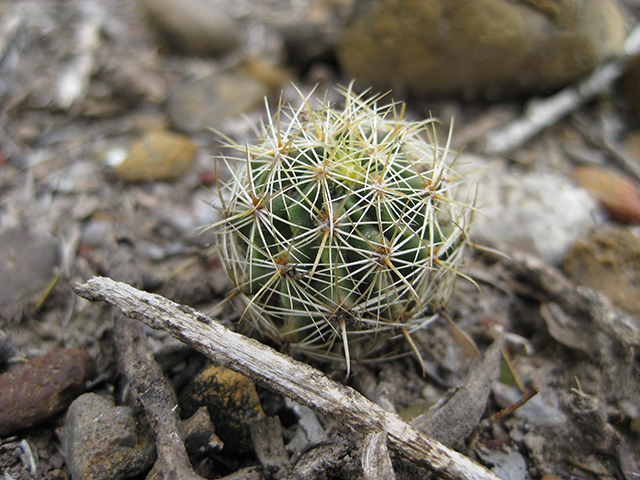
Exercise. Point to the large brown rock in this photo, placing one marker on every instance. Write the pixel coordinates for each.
(492, 48)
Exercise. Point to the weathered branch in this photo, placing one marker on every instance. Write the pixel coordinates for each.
(540, 114)
(282, 375)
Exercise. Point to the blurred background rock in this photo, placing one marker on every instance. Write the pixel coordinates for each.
(485, 48)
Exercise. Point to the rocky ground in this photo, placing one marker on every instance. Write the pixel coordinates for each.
(112, 117)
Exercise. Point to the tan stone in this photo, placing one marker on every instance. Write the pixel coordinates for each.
(608, 261)
(159, 155)
(492, 48)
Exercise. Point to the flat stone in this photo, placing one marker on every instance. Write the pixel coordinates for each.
(105, 442)
(489, 48)
(266, 434)
(32, 392)
(232, 401)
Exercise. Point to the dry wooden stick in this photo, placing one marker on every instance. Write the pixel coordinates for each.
(541, 114)
(282, 375)
(154, 393)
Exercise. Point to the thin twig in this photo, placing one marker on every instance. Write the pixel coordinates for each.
(282, 375)
(513, 407)
(485, 423)
(540, 114)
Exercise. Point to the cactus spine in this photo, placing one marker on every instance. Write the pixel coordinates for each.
(341, 227)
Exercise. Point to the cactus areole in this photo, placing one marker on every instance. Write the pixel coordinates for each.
(341, 228)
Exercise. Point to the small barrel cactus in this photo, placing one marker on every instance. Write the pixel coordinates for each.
(341, 227)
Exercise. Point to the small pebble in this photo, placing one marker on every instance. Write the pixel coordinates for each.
(78, 177)
(208, 178)
(32, 392)
(232, 401)
(159, 155)
(105, 442)
(199, 434)
(618, 195)
(507, 466)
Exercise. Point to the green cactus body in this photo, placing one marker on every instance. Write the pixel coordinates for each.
(342, 227)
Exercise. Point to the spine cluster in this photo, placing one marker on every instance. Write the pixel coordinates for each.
(341, 227)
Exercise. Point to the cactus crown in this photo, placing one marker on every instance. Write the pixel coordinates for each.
(341, 227)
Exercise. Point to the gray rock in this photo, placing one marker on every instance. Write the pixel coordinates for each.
(463, 407)
(105, 442)
(27, 264)
(309, 429)
(208, 102)
(485, 47)
(199, 434)
(542, 410)
(198, 27)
